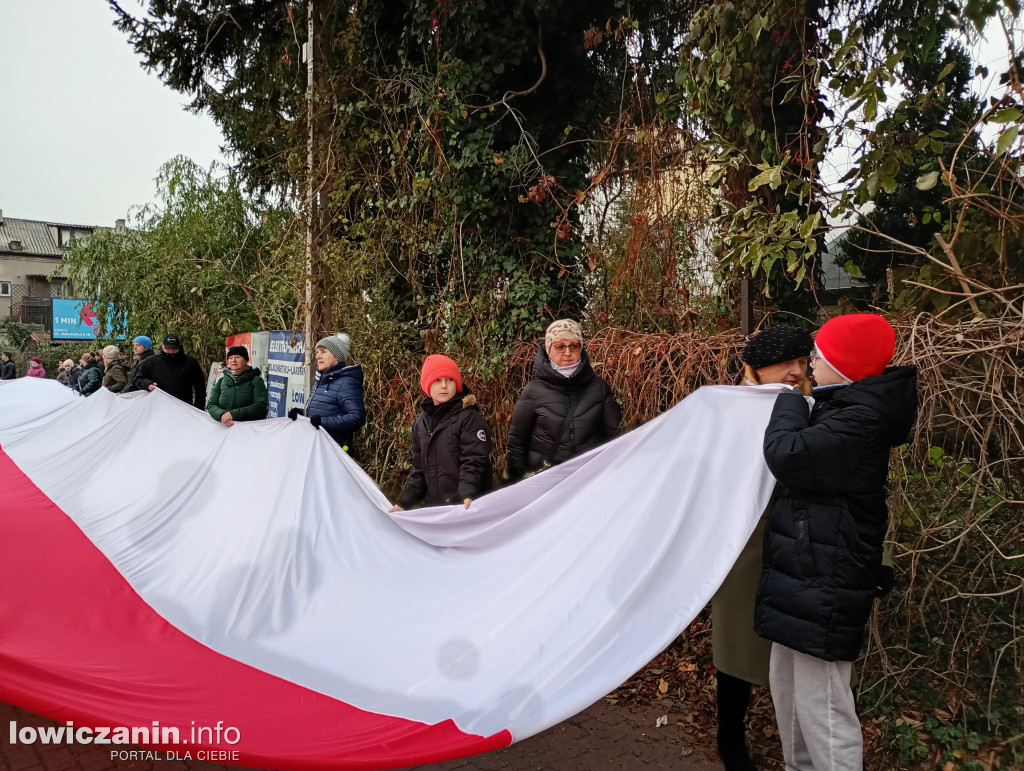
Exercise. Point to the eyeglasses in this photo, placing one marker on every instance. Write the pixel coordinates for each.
(563, 347)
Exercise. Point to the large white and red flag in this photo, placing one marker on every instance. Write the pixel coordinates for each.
(159, 568)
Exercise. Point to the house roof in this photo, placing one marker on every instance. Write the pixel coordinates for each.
(69, 226)
(35, 236)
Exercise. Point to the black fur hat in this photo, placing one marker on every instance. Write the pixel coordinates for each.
(775, 345)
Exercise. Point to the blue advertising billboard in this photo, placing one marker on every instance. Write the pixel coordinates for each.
(78, 320)
(285, 373)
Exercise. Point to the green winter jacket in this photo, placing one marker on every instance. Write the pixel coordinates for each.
(115, 377)
(245, 397)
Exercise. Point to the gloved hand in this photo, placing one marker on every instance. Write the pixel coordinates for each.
(315, 421)
(886, 580)
(294, 412)
(799, 391)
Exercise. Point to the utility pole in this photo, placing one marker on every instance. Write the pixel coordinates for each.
(316, 311)
(746, 308)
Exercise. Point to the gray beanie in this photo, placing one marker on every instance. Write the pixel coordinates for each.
(338, 345)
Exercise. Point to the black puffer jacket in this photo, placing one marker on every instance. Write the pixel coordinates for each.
(176, 373)
(451, 453)
(132, 384)
(559, 417)
(8, 370)
(823, 542)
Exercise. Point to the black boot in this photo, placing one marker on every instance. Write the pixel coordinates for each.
(733, 700)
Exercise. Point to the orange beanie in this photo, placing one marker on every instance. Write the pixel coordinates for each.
(436, 367)
(856, 345)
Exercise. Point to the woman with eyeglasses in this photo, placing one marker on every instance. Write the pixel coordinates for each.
(565, 409)
(778, 354)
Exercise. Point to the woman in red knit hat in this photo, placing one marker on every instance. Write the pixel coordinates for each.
(451, 441)
(822, 565)
(35, 369)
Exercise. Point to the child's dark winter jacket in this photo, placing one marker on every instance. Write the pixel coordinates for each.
(451, 453)
(337, 399)
(823, 542)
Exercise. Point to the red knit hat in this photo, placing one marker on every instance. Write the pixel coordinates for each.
(856, 345)
(436, 367)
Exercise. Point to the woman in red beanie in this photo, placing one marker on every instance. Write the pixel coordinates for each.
(822, 566)
(451, 441)
(35, 369)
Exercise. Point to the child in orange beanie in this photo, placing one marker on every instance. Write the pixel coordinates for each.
(822, 564)
(451, 442)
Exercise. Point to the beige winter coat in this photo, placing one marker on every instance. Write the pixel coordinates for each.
(736, 649)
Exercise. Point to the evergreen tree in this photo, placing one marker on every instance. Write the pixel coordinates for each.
(456, 141)
(936, 128)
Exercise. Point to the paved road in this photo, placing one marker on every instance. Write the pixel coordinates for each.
(616, 738)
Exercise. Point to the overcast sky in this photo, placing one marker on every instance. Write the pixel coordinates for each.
(83, 128)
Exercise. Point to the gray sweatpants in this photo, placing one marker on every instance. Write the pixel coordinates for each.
(815, 710)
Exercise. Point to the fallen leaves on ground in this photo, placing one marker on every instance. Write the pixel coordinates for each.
(682, 678)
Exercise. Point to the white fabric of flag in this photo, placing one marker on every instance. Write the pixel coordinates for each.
(266, 543)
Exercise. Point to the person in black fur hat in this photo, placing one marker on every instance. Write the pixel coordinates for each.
(777, 354)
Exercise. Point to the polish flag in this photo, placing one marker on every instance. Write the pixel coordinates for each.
(159, 567)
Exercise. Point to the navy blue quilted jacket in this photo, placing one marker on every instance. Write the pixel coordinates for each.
(338, 400)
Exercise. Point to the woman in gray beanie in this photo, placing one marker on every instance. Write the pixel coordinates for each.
(337, 399)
